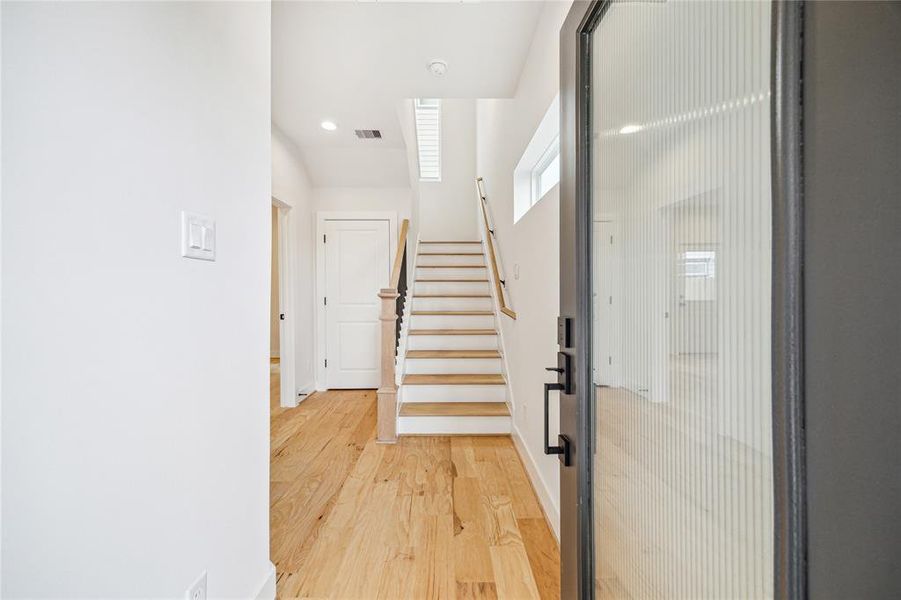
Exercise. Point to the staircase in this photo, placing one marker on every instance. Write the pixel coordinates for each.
(453, 380)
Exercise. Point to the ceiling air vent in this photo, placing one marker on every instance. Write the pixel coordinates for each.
(368, 134)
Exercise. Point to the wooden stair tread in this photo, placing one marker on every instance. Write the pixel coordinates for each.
(453, 332)
(453, 354)
(451, 267)
(454, 409)
(451, 295)
(451, 254)
(454, 379)
(454, 313)
(447, 242)
(452, 280)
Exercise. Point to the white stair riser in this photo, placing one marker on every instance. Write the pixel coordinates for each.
(452, 322)
(441, 273)
(452, 342)
(453, 365)
(452, 304)
(453, 287)
(454, 393)
(425, 247)
(475, 260)
(453, 425)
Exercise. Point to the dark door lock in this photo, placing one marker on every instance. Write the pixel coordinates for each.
(563, 447)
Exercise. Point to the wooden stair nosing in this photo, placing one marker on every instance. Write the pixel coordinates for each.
(454, 379)
(451, 295)
(453, 354)
(454, 409)
(451, 280)
(453, 313)
(451, 254)
(453, 332)
(451, 266)
(447, 242)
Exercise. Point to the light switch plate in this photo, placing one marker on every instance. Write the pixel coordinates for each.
(198, 236)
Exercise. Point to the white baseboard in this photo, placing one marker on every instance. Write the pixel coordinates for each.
(267, 589)
(551, 513)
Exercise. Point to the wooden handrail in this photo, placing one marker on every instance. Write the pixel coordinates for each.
(489, 238)
(399, 256)
(388, 302)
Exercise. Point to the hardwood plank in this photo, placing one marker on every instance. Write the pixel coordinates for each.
(453, 354)
(453, 332)
(454, 409)
(454, 379)
(544, 557)
(428, 517)
(447, 242)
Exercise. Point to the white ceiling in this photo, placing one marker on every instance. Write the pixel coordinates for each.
(352, 62)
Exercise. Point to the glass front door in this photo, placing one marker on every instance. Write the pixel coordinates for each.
(680, 202)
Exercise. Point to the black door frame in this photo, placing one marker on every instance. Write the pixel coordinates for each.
(577, 409)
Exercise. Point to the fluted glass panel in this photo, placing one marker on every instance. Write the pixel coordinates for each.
(680, 100)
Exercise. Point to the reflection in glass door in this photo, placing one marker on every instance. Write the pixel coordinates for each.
(681, 204)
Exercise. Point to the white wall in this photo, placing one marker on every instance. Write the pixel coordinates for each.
(291, 185)
(447, 207)
(397, 200)
(135, 435)
(504, 128)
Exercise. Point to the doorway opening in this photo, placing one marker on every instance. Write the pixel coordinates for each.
(283, 390)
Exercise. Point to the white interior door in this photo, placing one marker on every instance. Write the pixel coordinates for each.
(357, 255)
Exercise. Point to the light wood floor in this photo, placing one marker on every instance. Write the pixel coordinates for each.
(429, 517)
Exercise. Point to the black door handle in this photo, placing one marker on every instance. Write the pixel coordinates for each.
(281, 317)
(563, 447)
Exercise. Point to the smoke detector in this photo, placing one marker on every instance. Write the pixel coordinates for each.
(438, 68)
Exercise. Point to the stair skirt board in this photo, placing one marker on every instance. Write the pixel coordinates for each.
(451, 287)
(452, 321)
(452, 365)
(454, 425)
(452, 342)
(451, 304)
(454, 393)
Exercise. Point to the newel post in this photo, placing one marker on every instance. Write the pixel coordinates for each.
(387, 392)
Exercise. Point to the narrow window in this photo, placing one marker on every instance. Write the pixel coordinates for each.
(428, 138)
(546, 173)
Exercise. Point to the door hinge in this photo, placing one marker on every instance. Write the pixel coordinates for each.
(323, 238)
(326, 363)
(324, 301)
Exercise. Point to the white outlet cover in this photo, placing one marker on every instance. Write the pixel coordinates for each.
(198, 236)
(197, 591)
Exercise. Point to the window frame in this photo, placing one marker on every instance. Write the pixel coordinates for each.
(419, 104)
(550, 154)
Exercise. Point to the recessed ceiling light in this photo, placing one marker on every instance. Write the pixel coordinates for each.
(328, 125)
(438, 68)
(627, 129)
